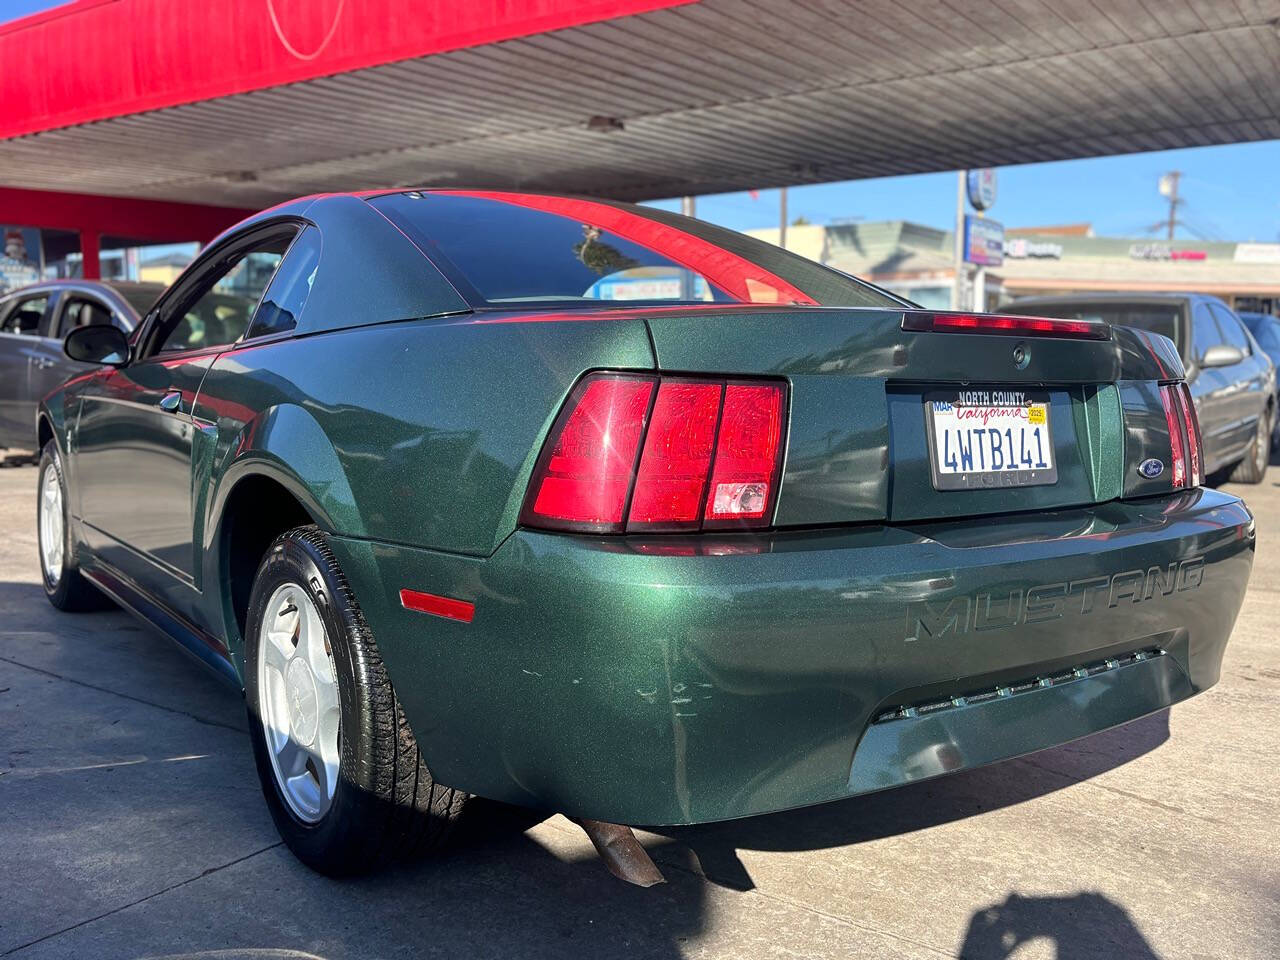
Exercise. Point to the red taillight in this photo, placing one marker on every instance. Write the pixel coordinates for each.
(677, 456)
(584, 480)
(705, 453)
(1195, 463)
(993, 323)
(1187, 467)
(1173, 417)
(746, 453)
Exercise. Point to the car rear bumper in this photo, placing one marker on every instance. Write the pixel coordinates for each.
(679, 680)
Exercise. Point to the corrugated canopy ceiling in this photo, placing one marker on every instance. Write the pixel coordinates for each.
(713, 96)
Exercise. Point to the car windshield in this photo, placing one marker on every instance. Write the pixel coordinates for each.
(515, 249)
(1159, 318)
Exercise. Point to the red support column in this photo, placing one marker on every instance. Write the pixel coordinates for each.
(89, 240)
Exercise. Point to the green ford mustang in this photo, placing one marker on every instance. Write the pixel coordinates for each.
(597, 509)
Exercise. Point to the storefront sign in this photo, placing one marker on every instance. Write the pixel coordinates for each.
(19, 261)
(1162, 251)
(983, 241)
(1020, 248)
(1257, 253)
(981, 186)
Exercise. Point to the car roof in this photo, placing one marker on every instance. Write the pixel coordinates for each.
(111, 290)
(142, 286)
(63, 283)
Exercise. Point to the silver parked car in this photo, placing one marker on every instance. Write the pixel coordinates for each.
(1232, 380)
(33, 322)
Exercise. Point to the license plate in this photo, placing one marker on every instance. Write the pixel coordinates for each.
(984, 438)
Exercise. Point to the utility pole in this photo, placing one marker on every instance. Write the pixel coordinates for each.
(687, 287)
(1169, 188)
(957, 288)
(782, 218)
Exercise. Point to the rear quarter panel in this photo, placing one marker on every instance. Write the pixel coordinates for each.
(420, 433)
(424, 431)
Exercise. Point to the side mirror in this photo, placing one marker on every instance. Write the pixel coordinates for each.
(1222, 355)
(98, 343)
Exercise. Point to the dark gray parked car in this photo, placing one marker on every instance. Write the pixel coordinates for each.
(1232, 380)
(33, 322)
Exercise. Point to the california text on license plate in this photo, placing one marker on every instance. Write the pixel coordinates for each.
(983, 438)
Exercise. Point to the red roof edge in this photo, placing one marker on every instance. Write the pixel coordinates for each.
(159, 221)
(95, 59)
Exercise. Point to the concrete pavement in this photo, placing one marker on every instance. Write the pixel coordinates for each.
(131, 825)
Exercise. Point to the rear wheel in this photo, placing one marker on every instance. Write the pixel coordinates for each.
(1254, 465)
(64, 585)
(340, 768)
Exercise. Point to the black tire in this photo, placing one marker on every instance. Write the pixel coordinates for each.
(1253, 468)
(386, 805)
(67, 590)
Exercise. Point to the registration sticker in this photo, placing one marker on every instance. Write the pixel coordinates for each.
(989, 438)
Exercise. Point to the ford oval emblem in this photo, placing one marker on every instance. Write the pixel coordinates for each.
(1151, 468)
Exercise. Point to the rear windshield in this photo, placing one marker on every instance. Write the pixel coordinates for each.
(1157, 317)
(516, 249)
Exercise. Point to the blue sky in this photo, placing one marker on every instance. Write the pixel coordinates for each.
(1232, 192)
(13, 9)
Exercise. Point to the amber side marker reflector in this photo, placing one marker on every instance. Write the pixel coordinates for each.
(1002, 324)
(446, 607)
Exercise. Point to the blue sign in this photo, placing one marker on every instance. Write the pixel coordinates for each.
(982, 188)
(983, 241)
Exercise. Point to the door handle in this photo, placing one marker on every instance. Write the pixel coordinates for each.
(170, 402)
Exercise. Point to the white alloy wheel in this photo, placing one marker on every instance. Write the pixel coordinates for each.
(52, 529)
(298, 690)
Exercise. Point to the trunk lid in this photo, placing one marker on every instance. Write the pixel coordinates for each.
(858, 444)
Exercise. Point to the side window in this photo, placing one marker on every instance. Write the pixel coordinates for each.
(220, 314)
(1232, 331)
(1204, 330)
(25, 316)
(81, 312)
(282, 304)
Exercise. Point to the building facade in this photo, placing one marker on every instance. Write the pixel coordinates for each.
(917, 262)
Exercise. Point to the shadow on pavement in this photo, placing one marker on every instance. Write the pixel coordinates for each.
(918, 806)
(1080, 927)
(500, 892)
